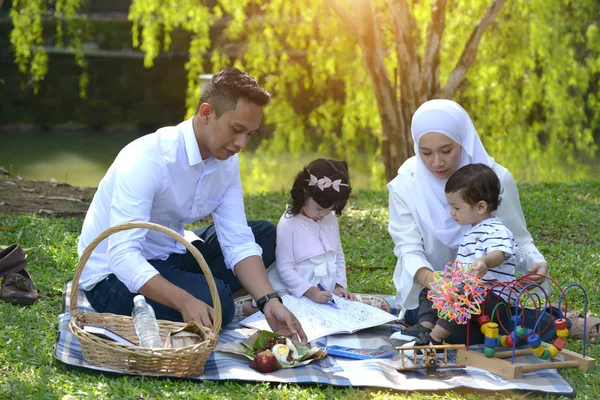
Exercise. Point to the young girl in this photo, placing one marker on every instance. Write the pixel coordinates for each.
(309, 257)
(472, 192)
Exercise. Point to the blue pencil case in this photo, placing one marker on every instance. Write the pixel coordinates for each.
(361, 354)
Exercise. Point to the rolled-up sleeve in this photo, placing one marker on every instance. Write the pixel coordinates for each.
(235, 236)
(408, 247)
(136, 182)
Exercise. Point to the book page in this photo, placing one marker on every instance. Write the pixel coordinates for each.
(319, 320)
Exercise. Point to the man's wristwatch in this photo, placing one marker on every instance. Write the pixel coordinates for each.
(260, 303)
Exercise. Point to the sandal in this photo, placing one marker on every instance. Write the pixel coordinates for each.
(18, 288)
(577, 332)
(12, 259)
(575, 314)
(374, 300)
(241, 306)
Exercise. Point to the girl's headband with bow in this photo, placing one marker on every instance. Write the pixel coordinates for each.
(325, 183)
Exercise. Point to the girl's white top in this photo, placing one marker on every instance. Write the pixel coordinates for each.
(307, 253)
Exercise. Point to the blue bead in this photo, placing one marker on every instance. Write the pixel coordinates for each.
(490, 342)
(516, 319)
(515, 339)
(534, 341)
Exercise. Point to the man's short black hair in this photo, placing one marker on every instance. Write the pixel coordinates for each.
(476, 182)
(229, 85)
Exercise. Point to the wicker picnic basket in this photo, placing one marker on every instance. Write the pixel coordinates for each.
(185, 361)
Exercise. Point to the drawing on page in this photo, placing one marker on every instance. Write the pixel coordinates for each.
(358, 311)
(315, 321)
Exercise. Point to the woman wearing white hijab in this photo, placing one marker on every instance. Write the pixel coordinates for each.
(424, 233)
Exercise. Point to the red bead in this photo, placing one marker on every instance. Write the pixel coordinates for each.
(560, 324)
(482, 319)
(559, 343)
(509, 341)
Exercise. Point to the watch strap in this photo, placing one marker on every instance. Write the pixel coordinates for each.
(260, 303)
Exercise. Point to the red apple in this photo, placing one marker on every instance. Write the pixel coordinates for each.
(265, 361)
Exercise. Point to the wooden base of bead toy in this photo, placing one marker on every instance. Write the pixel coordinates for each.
(507, 370)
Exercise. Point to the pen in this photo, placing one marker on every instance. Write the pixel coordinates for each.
(323, 289)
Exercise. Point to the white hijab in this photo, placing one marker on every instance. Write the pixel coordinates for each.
(450, 119)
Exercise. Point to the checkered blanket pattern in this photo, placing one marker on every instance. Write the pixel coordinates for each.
(331, 370)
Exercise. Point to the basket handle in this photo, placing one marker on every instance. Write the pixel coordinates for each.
(149, 225)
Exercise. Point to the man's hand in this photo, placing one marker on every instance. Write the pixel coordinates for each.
(162, 291)
(538, 268)
(198, 311)
(342, 292)
(318, 296)
(480, 266)
(282, 321)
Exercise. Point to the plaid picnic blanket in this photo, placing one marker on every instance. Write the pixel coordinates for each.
(331, 370)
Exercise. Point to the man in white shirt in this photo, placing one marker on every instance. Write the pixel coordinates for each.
(174, 177)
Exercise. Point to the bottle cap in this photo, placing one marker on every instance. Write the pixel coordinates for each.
(139, 299)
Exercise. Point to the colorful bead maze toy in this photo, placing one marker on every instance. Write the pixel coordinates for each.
(496, 335)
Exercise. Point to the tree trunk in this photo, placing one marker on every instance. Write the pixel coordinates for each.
(469, 53)
(430, 79)
(393, 143)
(409, 71)
(419, 82)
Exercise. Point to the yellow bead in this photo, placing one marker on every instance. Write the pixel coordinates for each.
(562, 333)
(484, 328)
(503, 341)
(553, 351)
(538, 351)
(492, 330)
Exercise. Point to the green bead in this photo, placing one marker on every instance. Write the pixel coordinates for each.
(489, 351)
(521, 331)
(545, 355)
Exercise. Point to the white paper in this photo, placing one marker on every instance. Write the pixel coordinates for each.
(319, 320)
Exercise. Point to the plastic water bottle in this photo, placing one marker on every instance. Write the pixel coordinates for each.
(145, 323)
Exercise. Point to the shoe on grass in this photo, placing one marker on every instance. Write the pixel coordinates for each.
(18, 288)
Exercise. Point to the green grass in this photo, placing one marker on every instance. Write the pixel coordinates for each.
(564, 220)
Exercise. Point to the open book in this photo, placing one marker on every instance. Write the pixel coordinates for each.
(319, 320)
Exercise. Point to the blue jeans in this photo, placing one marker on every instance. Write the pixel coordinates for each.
(112, 296)
(459, 332)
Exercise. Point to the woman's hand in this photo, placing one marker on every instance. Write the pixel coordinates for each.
(318, 296)
(282, 321)
(342, 292)
(538, 268)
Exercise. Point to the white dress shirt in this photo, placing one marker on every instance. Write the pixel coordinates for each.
(161, 178)
(416, 247)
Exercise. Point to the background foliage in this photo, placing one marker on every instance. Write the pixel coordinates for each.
(533, 90)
